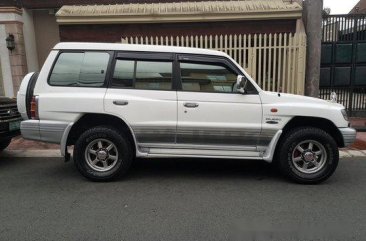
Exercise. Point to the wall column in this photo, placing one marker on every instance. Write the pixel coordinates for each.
(11, 23)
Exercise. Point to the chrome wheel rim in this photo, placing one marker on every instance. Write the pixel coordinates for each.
(309, 156)
(101, 155)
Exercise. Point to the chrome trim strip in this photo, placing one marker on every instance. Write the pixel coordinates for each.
(200, 152)
(18, 118)
(195, 147)
(349, 136)
(269, 153)
(200, 156)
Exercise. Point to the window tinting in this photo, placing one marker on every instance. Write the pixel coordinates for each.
(154, 75)
(148, 75)
(123, 75)
(80, 69)
(207, 78)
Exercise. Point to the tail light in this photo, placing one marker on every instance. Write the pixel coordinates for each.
(34, 108)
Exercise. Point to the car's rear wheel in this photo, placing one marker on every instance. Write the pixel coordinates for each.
(102, 153)
(308, 155)
(4, 144)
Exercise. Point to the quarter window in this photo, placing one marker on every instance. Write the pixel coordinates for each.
(87, 69)
(141, 74)
(207, 78)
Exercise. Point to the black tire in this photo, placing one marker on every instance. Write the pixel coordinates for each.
(286, 150)
(4, 144)
(121, 143)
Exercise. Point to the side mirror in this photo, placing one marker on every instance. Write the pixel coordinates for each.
(241, 84)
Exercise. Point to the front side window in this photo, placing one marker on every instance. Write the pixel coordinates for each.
(82, 69)
(143, 74)
(207, 77)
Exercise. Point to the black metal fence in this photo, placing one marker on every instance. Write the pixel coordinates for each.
(343, 61)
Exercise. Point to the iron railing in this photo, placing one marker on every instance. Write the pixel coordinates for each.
(343, 65)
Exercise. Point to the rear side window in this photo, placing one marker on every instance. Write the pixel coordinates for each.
(82, 69)
(143, 74)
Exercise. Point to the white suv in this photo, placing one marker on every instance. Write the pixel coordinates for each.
(115, 102)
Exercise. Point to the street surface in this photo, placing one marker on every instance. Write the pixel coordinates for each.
(177, 199)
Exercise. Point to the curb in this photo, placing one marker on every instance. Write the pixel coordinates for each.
(352, 153)
(57, 153)
(31, 153)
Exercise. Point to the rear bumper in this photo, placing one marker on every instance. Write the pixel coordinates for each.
(46, 131)
(349, 136)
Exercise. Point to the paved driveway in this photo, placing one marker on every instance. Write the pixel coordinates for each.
(175, 199)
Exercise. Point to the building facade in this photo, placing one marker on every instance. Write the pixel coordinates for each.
(37, 25)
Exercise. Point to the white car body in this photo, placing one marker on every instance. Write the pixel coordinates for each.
(223, 125)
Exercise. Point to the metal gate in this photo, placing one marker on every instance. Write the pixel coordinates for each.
(343, 61)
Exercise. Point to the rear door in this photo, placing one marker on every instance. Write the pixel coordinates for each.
(211, 113)
(76, 84)
(142, 93)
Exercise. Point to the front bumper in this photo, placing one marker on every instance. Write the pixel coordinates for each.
(5, 132)
(9, 135)
(349, 136)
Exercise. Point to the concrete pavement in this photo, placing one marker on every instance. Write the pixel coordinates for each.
(179, 199)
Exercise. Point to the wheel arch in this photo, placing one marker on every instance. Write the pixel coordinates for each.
(90, 120)
(316, 122)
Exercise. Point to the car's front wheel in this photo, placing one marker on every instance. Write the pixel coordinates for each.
(4, 144)
(308, 155)
(102, 153)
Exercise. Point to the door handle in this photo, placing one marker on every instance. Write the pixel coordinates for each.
(191, 105)
(120, 102)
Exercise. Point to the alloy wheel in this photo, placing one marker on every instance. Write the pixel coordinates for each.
(101, 155)
(309, 156)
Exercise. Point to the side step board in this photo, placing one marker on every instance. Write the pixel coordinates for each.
(200, 152)
(265, 153)
(209, 151)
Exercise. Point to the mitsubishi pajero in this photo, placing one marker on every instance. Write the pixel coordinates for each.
(115, 102)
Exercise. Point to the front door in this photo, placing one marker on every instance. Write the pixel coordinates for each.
(212, 115)
(141, 93)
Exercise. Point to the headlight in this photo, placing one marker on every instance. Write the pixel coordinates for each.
(344, 113)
